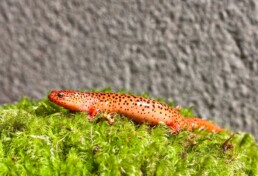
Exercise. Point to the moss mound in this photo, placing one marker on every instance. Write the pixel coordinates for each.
(40, 138)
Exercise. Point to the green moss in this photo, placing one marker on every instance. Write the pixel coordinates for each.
(40, 138)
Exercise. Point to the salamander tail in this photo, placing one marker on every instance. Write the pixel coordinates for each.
(193, 123)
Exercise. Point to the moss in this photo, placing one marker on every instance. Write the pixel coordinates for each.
(40, 138)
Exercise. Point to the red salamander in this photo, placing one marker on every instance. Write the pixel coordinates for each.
(137, 108)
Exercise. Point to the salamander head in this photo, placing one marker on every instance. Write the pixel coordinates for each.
(69, 99)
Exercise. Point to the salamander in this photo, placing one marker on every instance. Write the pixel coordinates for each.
(137, 108)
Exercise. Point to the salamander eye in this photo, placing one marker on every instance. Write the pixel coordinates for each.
(60, 95)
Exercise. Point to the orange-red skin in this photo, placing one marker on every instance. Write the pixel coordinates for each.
(137, 108)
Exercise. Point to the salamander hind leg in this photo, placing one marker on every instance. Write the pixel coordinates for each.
(176, 126)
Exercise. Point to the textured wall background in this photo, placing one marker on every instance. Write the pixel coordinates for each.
(199, 53)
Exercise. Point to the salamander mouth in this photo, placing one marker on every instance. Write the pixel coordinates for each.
(59, 97)
(52, 95)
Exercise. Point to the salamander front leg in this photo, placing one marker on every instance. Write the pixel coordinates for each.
(109, 117)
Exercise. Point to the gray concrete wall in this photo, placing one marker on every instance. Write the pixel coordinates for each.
(200, 53)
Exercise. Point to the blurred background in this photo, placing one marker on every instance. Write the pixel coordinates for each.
(199, 53)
